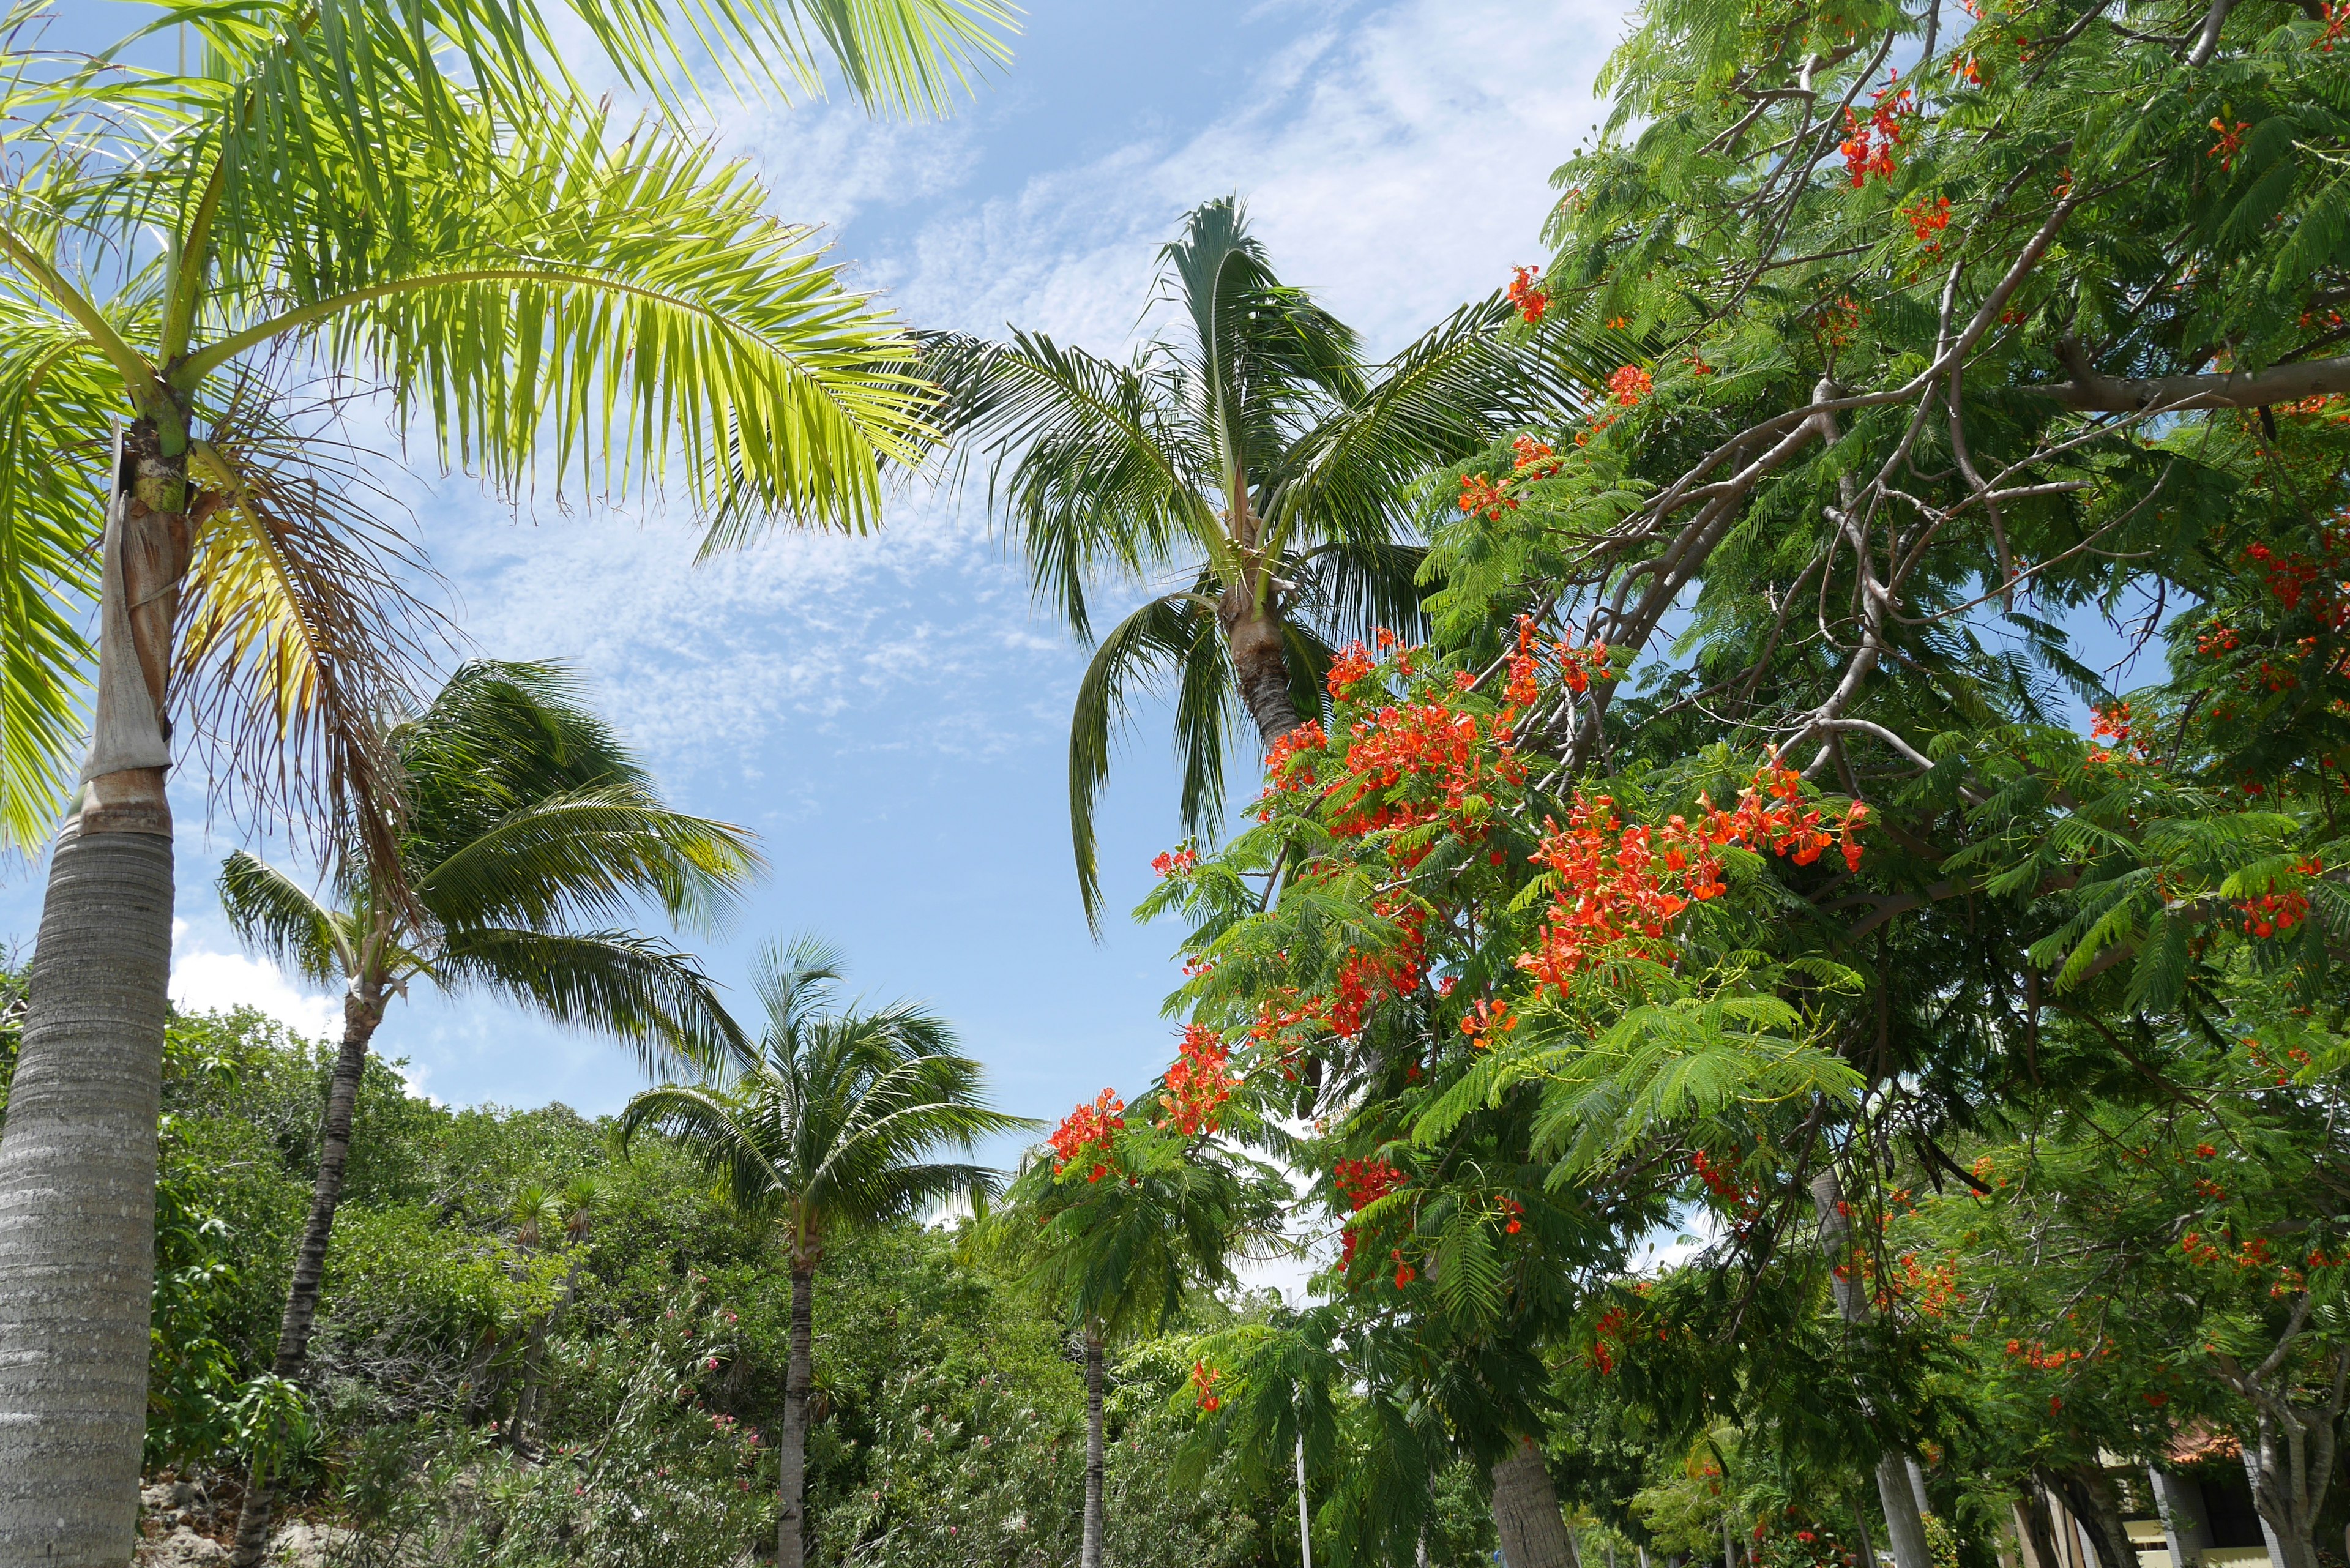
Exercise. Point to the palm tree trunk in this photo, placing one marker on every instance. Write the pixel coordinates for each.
(527, 1402)
(77, 1155)
(1525, 1512)
(1089, 1553)
(799, 1372)
(1902, 1521)
(1259, 646)
(362, 1012)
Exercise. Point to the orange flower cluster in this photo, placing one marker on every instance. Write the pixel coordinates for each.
(1486, 1020)
(1527, 293)
(1199, 1082)
(1927, 220)
(1168, 865)
(2035, 1354)
(1610, 1327)
(1511, 1213)
(1931, 1290)
(1629, 384)
(1203, 1385)
(2272, 914)
(2231, 142)
(1089, 1131)
(1625, 884)
(1480, 497)
(1362, 1182)
(1869, 144)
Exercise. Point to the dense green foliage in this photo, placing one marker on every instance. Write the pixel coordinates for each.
(950, 1408)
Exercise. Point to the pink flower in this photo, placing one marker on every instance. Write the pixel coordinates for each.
(711, 1365)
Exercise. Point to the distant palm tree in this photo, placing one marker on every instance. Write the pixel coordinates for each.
(528, 827)
(1252, 457)
(1120, 1255)
(543, 1216)
(830, 1130)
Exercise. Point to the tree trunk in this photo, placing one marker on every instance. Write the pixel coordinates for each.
(1902, 1521)
(2290, 1470)
(799, 1372)
(77, 1155)
(1526, 1511)
(362, 1012)
(1089, 1553)
(527, 1402)
(1254, 637)
(2037, 1531)
(2089, 1493)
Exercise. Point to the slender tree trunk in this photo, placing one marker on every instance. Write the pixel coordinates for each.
(2291, 1467)
(362, 1012)
(1525, 1512)
(77, 1155)
(799, 1372)
(1254, 637)
(527, 1402)
(1860, 1524)
(1902, 1521)
(2037, 1531)
(1089, 1552)
(2089, 1493)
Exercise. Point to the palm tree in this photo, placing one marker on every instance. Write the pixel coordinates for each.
(830, 1130)
(373, 196)
(1252, 457)
(1120, 1243)
(541, 1215)
(528, 827)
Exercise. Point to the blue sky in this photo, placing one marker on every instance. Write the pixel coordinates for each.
(889, 713)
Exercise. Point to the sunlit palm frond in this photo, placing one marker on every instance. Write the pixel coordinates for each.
(56, 397)
(633, 988)
(1089, 457)
(300, 637)
(272, 912)
(588, 854)
(595, 306)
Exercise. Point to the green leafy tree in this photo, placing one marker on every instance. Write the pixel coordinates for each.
(526, 824)
(829, 1129)
(411, 199)
(1120, 1224)
(1251, 455)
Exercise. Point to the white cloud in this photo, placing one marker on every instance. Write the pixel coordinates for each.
(1397, 166)
(203, 981)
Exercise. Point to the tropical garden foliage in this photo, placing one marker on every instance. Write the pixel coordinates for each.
(1812, 722)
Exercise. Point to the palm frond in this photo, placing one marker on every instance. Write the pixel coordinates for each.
(632, 988)
(588, 854)
(1162, 637)
(270, 912)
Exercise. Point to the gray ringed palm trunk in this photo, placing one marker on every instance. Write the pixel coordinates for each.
(1260, 654)
(791, 1482)
(362, 1012)
(1526, 1514)
(1894, 1494)
(78, 1205)
(77, 1155)
(1089, 1552)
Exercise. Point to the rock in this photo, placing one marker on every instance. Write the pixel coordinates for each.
(302, 1544)
(183, 1548)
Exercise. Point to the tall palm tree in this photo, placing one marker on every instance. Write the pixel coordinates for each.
(1120, 1254)
(528, 828)
(407, 197)
(832, 1129)
(1252, 456)
(545, 1216)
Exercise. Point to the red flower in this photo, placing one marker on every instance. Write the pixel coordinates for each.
(1528, 295)
(1088, 1127)
(2231, 142)
(1629, 385)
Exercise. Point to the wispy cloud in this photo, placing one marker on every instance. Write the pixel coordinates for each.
(1397, 161)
